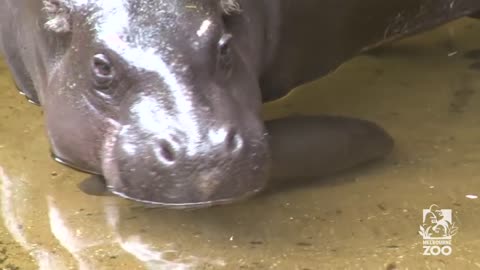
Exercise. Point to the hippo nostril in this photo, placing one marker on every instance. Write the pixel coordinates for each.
(167, 151)
(232, 140)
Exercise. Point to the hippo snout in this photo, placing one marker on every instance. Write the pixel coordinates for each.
(187, 167)
(226, 141)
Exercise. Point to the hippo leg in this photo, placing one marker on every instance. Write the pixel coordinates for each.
(315, 146)
(22, 79)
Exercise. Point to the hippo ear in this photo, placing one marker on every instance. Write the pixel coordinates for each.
(58, 15)
(230, 6)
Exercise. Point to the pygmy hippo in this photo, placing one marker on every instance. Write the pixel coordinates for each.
(163, 97)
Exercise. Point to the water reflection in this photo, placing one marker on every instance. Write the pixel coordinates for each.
(77, 240)
(12, 220)
(151, 257)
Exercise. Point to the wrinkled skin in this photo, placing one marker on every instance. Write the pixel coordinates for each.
(163, 97)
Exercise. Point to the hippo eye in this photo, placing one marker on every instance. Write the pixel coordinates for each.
(225, 51)
(103, 71)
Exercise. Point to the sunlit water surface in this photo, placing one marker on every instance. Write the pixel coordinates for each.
(425, 91)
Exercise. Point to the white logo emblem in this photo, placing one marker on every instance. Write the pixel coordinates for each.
(437, 231)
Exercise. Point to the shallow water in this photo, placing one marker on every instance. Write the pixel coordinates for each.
(424, 91)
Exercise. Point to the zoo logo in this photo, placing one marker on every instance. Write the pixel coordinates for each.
(437, 231)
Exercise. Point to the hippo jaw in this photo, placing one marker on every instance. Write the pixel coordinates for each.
(193, 205)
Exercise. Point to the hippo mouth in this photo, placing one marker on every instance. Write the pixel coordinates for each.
(193, 205)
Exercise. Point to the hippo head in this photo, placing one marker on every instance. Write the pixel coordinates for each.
(158, 96)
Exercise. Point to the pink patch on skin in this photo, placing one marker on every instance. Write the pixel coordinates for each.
(116, 41)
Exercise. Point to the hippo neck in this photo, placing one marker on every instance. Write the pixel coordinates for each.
(315, 37)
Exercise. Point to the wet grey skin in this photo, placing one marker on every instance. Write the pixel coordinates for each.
(163, 97)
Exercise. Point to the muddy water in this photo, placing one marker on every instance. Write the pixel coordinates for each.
(425, 91)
